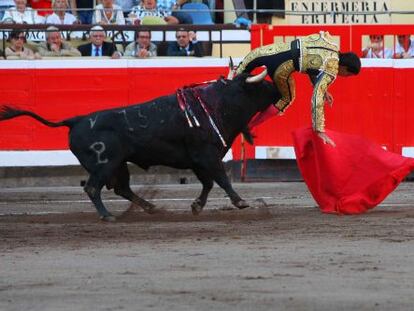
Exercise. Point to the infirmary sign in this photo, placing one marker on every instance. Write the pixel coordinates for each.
(338, 11)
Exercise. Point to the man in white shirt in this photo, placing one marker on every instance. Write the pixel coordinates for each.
(60, 16)
(21, 14)
(404, 47)
(376, 49)
(5, 4)
(108, 13)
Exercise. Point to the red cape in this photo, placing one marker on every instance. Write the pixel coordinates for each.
(352, 177)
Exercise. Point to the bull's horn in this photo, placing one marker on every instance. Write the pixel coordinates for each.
(231, 73)
(257, 78)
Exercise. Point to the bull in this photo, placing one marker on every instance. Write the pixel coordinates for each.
(191, 129)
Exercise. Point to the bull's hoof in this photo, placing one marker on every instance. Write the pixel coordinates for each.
(241, 204)
(152, 210)
(196, 207)
(148, 207)
(109, 218)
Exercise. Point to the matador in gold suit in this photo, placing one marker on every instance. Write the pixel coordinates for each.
(316, 55)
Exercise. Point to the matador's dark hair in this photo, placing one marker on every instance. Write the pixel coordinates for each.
(351, 61)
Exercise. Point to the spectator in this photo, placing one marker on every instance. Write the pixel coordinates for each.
(376, 48)
(83, 10)
(172, 7)
(404, 47)
(17, 50)
(148, 13)
(43, 7)
(186, 45)
(60, 16)
(4, 5)
(21, 14)
(55, 45)
(108, 13)
(142, 47)
(126, 5)
(98, 47)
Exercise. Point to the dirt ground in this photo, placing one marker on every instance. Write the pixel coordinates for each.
(280, 254)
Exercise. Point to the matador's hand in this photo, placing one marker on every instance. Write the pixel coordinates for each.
(329, 98)
(326, 139)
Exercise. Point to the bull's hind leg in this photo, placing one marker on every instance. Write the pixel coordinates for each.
(93, 188)
(122, 188)
(200, 202)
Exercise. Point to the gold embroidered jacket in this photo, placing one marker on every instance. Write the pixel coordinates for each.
(316, 55)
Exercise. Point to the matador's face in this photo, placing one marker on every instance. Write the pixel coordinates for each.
(343, 72)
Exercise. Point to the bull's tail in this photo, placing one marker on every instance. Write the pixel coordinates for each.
(7, 112)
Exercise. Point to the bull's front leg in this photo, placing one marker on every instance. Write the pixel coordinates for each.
(213, 168)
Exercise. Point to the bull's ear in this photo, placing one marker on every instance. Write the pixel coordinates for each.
(257, 78)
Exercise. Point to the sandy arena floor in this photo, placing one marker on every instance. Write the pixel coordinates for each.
(280, 254)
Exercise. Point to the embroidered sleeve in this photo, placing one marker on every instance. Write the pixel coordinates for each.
(320, 88)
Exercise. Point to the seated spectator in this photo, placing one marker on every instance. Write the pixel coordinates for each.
(4, 5)
(60, 16)
(126, 5)
(108, 13)
(186, 45)
(43, 7)
(142, 47)
(83, 10)
(404, 47)
(376, 48)
(148, 13)
(21, 14)
(98, 47)
(55, 45)
(172, 7)
(17, 50)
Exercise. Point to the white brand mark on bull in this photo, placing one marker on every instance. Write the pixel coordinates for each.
(126, 120)
(145, 119)
(92, 122)
(99, 148)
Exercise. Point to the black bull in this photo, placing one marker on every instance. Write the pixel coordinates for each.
(158, 132)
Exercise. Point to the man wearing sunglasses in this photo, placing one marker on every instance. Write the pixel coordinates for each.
(17, 50)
